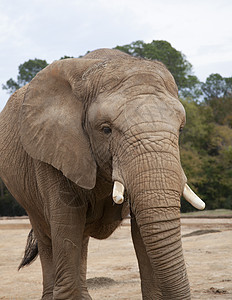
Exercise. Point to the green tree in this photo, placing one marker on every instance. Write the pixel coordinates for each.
(206, 155)
(8, 205)
(27, 72)
(217, 92)
(217, 86)
(216, 180)
(175, 61)
(198, 131)
(66, 56)
(222, 110)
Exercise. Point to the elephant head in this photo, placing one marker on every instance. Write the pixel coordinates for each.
(113, 116)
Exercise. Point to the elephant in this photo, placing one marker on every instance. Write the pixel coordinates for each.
(88, 141)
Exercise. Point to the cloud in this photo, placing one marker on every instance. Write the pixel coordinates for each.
(200, 29)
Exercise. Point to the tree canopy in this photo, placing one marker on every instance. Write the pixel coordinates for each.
(217, 86)
(206, 155)
(174, 60)
(27, 72)
(206, 142)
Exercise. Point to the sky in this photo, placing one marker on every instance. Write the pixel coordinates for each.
(50, 29)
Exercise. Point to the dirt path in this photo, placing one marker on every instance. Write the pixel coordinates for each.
(112, 266)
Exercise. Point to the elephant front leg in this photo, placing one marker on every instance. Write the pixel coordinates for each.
(149, 284)
(84, 253)
(67, 251)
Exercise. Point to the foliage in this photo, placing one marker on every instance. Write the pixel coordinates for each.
(8, 205)
(65, 56)
(27, 72)
(175, 61)
(217, 86)
(222, 110)
(206, 155)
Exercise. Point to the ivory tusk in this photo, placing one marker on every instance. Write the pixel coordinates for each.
(192, 198)
(118, 191)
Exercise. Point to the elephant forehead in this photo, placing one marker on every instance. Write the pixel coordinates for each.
(143, 108)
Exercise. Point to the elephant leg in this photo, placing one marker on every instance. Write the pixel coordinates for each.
(45, 252)
(46, 257)
(149, 284)
(67, 236)
(84, 253)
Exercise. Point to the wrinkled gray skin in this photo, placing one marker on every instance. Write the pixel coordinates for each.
(59, 159)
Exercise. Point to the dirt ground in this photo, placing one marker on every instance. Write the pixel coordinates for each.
(112, 266)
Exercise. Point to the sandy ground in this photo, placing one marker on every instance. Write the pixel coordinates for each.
(112, 266)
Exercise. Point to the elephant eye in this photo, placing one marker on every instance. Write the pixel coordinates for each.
(106, 130)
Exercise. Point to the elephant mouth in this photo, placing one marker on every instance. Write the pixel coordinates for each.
(189, 195)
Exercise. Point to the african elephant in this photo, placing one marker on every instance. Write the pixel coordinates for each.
(82, 131)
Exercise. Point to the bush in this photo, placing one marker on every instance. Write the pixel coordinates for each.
(10, 207)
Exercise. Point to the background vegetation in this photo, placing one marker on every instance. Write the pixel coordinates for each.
(205, 143)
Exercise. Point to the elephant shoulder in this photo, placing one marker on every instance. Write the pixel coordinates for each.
(13, 105)
(9, 127)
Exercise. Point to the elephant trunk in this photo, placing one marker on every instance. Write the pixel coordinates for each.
(154, 186)
(159, 226)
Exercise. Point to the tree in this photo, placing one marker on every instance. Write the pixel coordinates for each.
(175, 61)
(217, 86)
(198, 131)
(27, 72)
(218, 95)
(8, 205)
(65, 56)
(222, 110)
(206, 156)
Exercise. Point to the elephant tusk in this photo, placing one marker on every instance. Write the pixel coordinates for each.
(192, 198)
(118, 191)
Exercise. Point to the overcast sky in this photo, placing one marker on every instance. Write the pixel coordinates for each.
(49, 29)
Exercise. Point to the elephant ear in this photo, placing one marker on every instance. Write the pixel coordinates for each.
(51, 120)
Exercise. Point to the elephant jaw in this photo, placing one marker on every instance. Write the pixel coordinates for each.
(189, 195)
